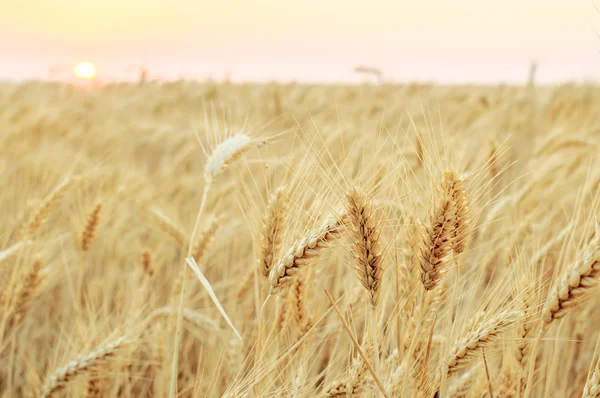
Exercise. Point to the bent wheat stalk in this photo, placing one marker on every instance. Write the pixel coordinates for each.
(223, 155)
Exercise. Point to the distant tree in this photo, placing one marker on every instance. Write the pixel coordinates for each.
(370, 71)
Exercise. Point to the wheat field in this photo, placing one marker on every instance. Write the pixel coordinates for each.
(221, 240)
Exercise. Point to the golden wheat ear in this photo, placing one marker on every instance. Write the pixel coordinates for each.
(146, 262)
(461, 227)
(89, 232)
(32, 281)
(357, 379)
(365, 235)
(436, 240)
(592, 385)
(206, 238)
(46, 207)
(169, 227)
(481, 335)
(576, 285)
(81, 366)
(304, 251)
(272, 231)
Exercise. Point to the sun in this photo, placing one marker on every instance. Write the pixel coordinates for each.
(85, 70)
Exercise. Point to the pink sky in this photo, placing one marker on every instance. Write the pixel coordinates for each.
(304, 40)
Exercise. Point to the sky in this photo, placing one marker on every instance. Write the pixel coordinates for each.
(448, 41)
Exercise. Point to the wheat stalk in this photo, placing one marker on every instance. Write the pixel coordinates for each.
(222, 156)
(6, 253)
(189, 315)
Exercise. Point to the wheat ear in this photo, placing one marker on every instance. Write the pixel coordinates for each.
(356, 381)
(282, 313)
(43, 211)
(575, 286)
(461, 216)
(298, 294)
(364, 232)
(91, 225)
(31, 283)
(205, 239)
(80, 366)
(169, 227)
(508, 382)
(94, 388)
(436, 242)
(5, 280)
(303, 252)
(525, 329)
(147, 263)
(227, 152)
(480, 336)
(271, 231)
(592, 386)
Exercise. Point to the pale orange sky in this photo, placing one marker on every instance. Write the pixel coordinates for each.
(315, 40)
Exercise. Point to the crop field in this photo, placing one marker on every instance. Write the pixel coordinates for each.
(220, 240)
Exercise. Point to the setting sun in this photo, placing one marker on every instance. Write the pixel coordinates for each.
(85, 70)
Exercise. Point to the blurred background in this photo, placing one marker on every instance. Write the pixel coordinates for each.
(458, 41)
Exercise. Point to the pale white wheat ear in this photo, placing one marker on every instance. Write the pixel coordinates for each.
(224, 154)
(228, 151)
(437, 236)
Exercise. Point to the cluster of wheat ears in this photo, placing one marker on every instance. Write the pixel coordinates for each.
(221, 240)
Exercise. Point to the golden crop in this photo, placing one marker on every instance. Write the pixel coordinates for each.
(370, 240)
